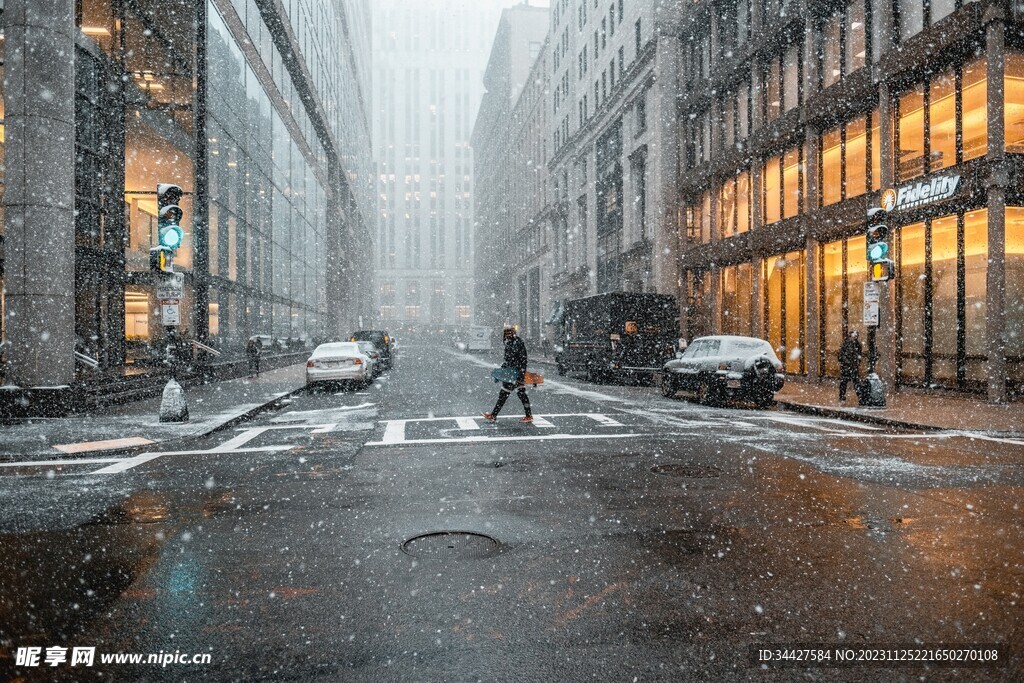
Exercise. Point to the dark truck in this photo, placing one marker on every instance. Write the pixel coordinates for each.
(618, 335)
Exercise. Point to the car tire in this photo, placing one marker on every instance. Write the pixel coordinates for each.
(764, 400)
(706, 394)
(560, 369)
(668, 386)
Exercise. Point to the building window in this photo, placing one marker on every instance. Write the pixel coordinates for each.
(736, 285)
(783, 313)
(927, 121)
(698, 219)
(843, 270)
(734, 205)
(911, 18)
(941, 289)
(1015, 283)
(832, 49)
(641, 112)
(845, 165)
(783, 186)
(1013, 116)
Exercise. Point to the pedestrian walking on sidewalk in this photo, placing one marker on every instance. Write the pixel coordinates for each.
(850, 354)
(253, 352)
(515, 358)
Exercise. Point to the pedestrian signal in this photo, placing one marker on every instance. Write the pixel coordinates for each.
(882, 271)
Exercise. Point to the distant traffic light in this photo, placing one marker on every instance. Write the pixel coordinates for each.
(169, 216)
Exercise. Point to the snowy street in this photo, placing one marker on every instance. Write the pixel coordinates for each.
(622, 534)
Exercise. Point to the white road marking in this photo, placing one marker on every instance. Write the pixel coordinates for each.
(539, 421)
(487, 439)
(604, 420)
(812, 422)
(129, 463)
(105, 445)
(394, 432)
(467, 423)
(57, 463)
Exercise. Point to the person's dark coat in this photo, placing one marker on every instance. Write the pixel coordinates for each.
(849, 357)
(515, 355)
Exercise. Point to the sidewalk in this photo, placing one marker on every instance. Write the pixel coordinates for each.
(211, 407)
(914, 411)
(905, 410)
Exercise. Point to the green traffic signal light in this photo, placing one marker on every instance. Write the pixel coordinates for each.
(170, 236)
(878, 252)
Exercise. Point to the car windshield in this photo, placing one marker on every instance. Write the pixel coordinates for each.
(744, 348)
(338, 349)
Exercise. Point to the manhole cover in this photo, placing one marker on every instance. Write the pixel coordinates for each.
(454, 545)
(688, 471)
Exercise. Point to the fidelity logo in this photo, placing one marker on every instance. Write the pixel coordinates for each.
(920, 193)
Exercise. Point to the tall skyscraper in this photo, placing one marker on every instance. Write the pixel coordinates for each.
(428, 63)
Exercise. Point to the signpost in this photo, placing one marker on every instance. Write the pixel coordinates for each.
(170, 312)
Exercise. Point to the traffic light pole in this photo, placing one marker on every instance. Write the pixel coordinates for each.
(880, 269)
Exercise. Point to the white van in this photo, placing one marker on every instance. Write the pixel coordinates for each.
(479, 338)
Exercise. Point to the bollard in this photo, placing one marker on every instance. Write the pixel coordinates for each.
(173, 407)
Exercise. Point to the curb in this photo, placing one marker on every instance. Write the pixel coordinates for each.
(252, 412)
(227, 424)
(857, 417)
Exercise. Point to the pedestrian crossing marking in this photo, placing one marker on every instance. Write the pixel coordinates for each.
(467, 423)
(604, 420)
(395, 430)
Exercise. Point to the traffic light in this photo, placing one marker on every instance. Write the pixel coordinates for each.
(169, 216)
(877, 246)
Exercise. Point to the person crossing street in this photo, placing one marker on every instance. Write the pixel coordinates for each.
(515, 359)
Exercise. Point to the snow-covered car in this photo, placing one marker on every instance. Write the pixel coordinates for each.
(376, 360)
(338, 362)
(721, 367)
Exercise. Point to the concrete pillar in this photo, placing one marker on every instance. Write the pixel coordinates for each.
(812, 346)
(39, 270)
(886, 335)
(997, 182)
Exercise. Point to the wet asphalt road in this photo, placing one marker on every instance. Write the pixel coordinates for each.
(636, 537)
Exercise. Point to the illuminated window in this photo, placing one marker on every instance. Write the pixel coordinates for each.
(772, 191)
(1015, 283)
(1013, 116)
(975, 112)
(831, 167)
(911, 137)
(791, 175)
(942, 121)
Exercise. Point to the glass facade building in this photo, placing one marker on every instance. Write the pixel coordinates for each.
(257, 111)
(919, 105)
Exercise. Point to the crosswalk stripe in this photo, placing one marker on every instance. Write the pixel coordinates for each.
(467, 424)
(604, 420)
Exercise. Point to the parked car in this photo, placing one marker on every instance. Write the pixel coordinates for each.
(721, 367)
(380, 339)
(339, 362)
(370, 349)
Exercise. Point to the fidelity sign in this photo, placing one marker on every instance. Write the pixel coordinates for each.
(920, 193)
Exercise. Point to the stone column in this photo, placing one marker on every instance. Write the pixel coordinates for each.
(996, 184)
(39, 270)
(812, 347)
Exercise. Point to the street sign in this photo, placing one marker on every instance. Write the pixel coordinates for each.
(871, 313)
(171, 288)
(871, 293)
(170, 312)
